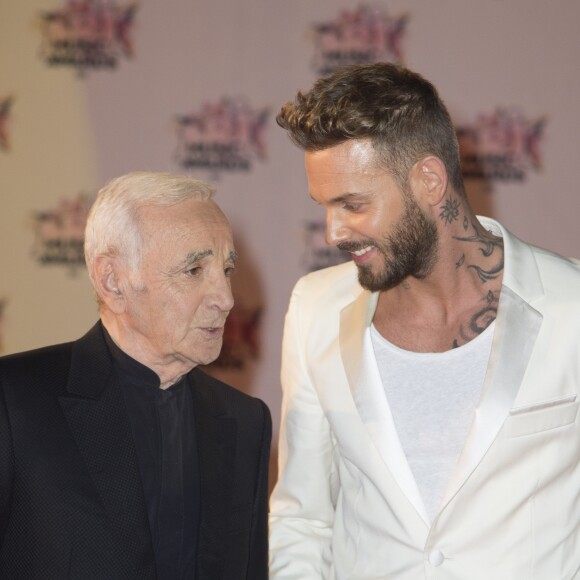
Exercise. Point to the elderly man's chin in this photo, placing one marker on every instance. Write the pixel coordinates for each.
(210, 353)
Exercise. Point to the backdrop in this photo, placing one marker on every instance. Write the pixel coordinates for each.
(93, 89)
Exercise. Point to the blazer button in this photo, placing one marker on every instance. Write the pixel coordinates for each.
(436, 558)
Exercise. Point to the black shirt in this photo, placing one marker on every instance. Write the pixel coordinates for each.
(163, 425)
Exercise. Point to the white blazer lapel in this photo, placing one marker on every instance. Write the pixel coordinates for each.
(516, 330)
(369, 397)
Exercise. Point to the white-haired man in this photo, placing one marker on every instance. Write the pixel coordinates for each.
(119, 458)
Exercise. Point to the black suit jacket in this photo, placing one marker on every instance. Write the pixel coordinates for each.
(71, 499)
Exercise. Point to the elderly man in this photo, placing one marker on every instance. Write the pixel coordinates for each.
(430, 414)
(119, 459)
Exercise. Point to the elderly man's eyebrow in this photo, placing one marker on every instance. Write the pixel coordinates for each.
(196, 256)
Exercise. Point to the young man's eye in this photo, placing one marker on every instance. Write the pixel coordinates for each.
(351, 206)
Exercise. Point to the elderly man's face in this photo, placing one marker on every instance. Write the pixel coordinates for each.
(179, 311)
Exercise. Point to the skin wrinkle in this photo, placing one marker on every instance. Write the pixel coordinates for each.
(175, 320)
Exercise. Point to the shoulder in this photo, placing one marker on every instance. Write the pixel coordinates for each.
(553, 266)
(36, 363)
(35, 375)
(344, 275)
(328, 288)
(218, 394)
(215, 400)
(560, 279)
(536, 272)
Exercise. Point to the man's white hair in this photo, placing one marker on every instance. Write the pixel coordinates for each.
(113, 222)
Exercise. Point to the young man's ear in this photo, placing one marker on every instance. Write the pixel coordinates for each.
(428, 180)
(106, 278)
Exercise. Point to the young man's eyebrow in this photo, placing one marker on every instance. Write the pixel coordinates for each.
(344, 197)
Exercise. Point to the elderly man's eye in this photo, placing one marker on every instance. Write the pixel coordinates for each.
(229, 270)
(195, 271)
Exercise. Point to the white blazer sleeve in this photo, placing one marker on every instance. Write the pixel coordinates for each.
(301, 508)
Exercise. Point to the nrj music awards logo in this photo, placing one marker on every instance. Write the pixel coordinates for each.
(363, 35)
(317, 253)
(228, 135)
(5, 106)
(59, 232)
(88, 34)
(502, 146)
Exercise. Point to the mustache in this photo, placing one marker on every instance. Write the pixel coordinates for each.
(355, 246)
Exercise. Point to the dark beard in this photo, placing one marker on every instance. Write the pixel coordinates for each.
(410, 250)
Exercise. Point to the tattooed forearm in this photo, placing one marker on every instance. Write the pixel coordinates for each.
(459, 262)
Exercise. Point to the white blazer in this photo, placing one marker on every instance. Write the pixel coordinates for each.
(346, 505)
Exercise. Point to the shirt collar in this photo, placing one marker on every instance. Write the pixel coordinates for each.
(131, 369)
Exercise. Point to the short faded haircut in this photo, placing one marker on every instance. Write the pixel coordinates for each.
(397, 110)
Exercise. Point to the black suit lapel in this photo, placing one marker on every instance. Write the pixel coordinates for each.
(96, 414)
(216, 437)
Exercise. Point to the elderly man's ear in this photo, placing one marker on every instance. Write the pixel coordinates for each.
(107, 283)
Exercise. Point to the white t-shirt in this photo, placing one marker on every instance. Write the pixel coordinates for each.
(433, 397)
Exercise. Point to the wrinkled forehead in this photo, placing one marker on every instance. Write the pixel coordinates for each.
(188, 215)
(192, 225)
